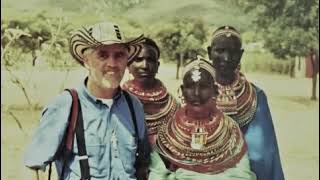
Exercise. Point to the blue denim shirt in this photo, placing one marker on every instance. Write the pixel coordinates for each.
(109, 136)
(262, 142)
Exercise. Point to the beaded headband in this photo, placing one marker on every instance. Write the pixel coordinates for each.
(198, 64)
(227, 32)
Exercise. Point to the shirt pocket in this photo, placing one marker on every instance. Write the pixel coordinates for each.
(96, 152)
(127, 146)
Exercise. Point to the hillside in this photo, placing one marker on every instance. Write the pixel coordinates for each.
(213, 12)
(147, 13)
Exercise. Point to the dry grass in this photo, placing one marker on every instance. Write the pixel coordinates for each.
(295, 118)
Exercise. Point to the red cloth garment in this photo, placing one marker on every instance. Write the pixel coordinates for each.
(312, 65)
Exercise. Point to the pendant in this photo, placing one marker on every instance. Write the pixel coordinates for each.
(199, 138)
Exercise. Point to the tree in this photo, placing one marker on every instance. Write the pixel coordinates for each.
(290, 28)
(8, 53)
(22, 38)
(182, 39)
(47, 35)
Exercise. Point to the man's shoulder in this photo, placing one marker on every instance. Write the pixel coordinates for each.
(135, 99)
(61, 100)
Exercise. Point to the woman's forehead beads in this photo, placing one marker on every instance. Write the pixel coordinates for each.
(196, 74)
(227, 32)
(195, 67)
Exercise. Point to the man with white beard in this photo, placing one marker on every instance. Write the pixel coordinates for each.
(113, 134)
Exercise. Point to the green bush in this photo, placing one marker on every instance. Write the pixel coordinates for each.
(264, 62)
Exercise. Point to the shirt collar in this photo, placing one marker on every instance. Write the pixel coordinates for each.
(84, 90)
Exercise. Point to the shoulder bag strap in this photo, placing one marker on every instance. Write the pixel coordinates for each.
(82, 152)
(68, 140)
(75, 125)
(133, 116)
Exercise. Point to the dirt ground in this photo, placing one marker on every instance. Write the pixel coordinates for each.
(295, 117)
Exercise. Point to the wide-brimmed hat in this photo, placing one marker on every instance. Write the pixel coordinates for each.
(104, 33)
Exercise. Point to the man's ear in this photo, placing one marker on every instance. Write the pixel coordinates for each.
(85, 62)
(86, 66)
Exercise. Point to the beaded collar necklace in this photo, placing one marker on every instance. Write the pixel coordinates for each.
(239, 100)
(211, 146)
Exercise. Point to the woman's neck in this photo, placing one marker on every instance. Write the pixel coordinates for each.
(226, 79)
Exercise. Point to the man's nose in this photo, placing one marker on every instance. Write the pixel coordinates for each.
(112, 61)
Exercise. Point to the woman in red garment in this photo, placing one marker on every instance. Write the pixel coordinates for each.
(159, 104)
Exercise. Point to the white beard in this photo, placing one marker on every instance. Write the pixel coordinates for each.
(109, 83)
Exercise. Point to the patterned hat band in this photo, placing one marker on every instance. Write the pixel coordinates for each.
(105, 33)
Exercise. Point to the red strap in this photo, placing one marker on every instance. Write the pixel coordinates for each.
(73, 119)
